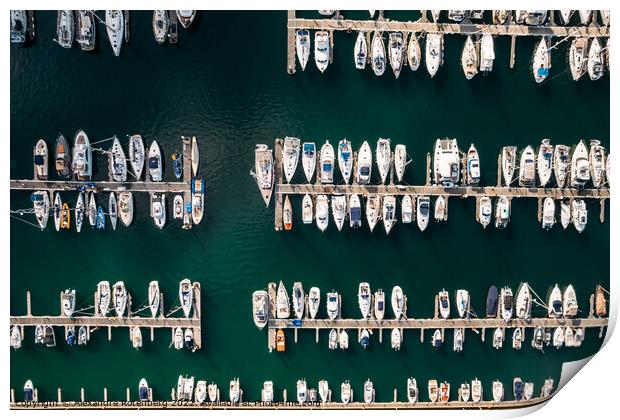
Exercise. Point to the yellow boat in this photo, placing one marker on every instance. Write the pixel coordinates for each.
(280, 343)
(65, 217)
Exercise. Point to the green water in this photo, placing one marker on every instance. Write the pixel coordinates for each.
(231, 97)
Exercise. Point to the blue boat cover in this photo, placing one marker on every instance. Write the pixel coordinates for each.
(153, 163)
(543, 72)
(365, 171)
(39, 160)
(143, 393)
(188, 207)
(36, 197)
(327, 166)
(356, 214)
(297, 322)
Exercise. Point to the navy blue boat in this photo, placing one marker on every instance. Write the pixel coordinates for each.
(70, 337)
(517, 388)
(492, 301)
(177, 165)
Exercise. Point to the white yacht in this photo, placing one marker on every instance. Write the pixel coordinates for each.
(373, 210)
(363, 169)
(469, 59)
(597, 163)
(389, 213)
(561, 161)
(136, 337)
(464, 392)
(287, 214)
(200, 395)
(585, 16)
(565, 213)
(369, 392)
(364, 298)
(517, 338)
(321, 50)
(412, 390)
(302, 46)
(580, 166)
(406, 207)
(68, 302)
(446, 162)
(125, 207)
(161, 23)
(234, 391)
(444, 304)
(263, 164)
(345, 159)
(355, 211)
(578, 57)
(579, 214)
(213, 392)
(433, 390)
(565, 16)
(155, 162)
(456, 15)
(434, 52)
(333, 305)
(440, 209)
(538, 339)
(324, 392)
(473, 166)
(322, 212)
(299, 300)
(186, 296)
(400, 161)
(555, 308)
(65, 28)
(307, 210)
(117, 162)
(186, 17)
(462, 302)
(308, 159)
(377, 61)
(527, 168)
(41, 205)
(414, 52)
(302, 391)
(509, 162)
(506, 303)
(343, 340)
(314, 301)
(548, 216)
(57, 210)
(379, 305)
(498, 338)
(326, 169)
(136, 155)
(502, 212)
(346, 393)
(92, 210)
(283, 305)
(333, 338)
(523, 304)
(290, 156)
(423, 212)
(158, 209)
(360, 53)
(541, 62)
(487, 53)
(115, 24)
(595, 60)
(81, 163)
(476, 390)
(485, 211)
(498, 391)
(396, 52)
(16, 337)
(570, 306)
(399, 303)
(457, 345)
(41, 160)
(154, 297)
(384, 158)
(120, 298)
(544, 162)
(178, 207)
(103, 298)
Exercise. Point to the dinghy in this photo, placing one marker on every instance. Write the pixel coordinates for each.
(509, 159)
(548, 216)
(578, 57)
(527, 168)
(400, 161)
(299, 300)
(444, 304)
(290, 156)
(389, 213)
(120, 298)
(306, 210)
(377, 61)
(103, 297)
(597, 163)
(541, 62)
(81, 163)
(154, 296)
(473, 166)
(360, 52)
(186, 296)
(125, 207)
(579, 214)
(263, 164)
(379, 305)
(314, 301)
(364, 164)
(423, 211)
(373, 210)
(544, 162)
(287, 214)
(399, 303)
(560, 164)
(396, 52)
(158, 209)
(112, 210)
(469, 59)
(154, 162)
(345, 159)
(414, 52)
(364, 299)
(115, 24)
(41, 160)
(485, 211)
(406, 208)
(283, 308)
(434, 53)
(321, 50)
(326, 168)
(355, 211)
(302, 47)
(487, 53)
(308, 159)
(322, 212)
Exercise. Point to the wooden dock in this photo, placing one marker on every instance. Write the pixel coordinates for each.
(423, 25)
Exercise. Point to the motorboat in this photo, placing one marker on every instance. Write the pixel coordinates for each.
(195, 156)
(29, 394)
(283, 309)
(333, 339)
(136, 337)
(369, 392)
(154, 297)
(364, 338)
(544, 162)
(561, 161)
(306, 210)
(308, 159)
(333, 305)
(389, 213)
(444, 392)
(155, 163)
(547, 388)
(578, 57)
(373, 210)
(339, 210)
(597, 163)
(548, 216)
(498, 391)
(68, 302)
(412, 390)
(92, 210)
(103, 298)
(177, 165)
(379, 305)
(125, 207)
(527, 168)
(538, 339)
(506, 303)
(345, 159)
(377, 56)
(476, 390)
(434, 52)
(517, 389)
(200, 395)
(267, 392)
(400, 161)
(38, 334)
(456, 15)
(326, 168)
(528, 390)
(41, 205)
(580, 166)
(186, 296)
(458, 340)
(595, 63)
(541, 62)
(302, 391)
(41, 160)
(558, 337)
(360, 52)
(234, 391)
(406, 207)
(322, 212)
(57, 209)
(363, 169)
(469, 59)
(113, 210)
(186, 17)
(81, 163)
(423, 212)
(62, 160)
(473, 166)
(158, 209)
(502, 211)
(161, 23)
(485, 211)
(565, 213)
(555, 308)
(64, 28)
(16, 337)
(346, 394)
(260, 308)
(531, 17)
(487, 53)
(302, 47)
(287, 214)
(570, 306)
(321, 50)
(399, 303)
(324, 392)
(280, 340)
(433, 390)
(444, 304)
(414, 52)
(509, 160)
(355, 211)
(263, 163)
(518, 336)
(290, 156)
(136, 155)
(579, 214)
(396, 339)
(19, 26)
(364, 297)
(299, 300)
(178, 207)
(83, 336)
(314, 301)
(440, 209)
(464, 392)
(462, 303)
(446, 162)
(115, 24)
(384, 158)
(396, 52)
(120, 298)
(523, 303)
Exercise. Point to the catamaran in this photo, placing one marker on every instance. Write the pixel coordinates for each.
(389, 213)
(158, 209)
(263, 163)
(578, 57)
(597, 163)
(326, 169)
(345, 159)
(423, 212)
(469, 59)
(322, 212)
(446, 162)
(544, 162)
(399, 303)
(527, 168)
(360, 52)
(290, 156)
(186, 296)
(434, 53)
(306, 210)
(364, 164)
(283, 308)
(355, 211)
(373, 210)
(487, 53)
(541, 62)
(63, 157)
(580, 166)
(339, 210)
(485, 211)
(414, 52)
(321, 50)
(548, 216)
(314, 301)
(378, 54)
(120, 298)
(406, 208)
(364, 299)
(115, 23)
(302, 47)
(125, 207)
(308, 159)
(396, 52)
(64, 28)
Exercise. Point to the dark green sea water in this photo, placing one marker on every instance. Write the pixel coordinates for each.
(232, 95)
